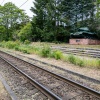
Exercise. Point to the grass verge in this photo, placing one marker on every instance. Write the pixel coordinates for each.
(46, 51)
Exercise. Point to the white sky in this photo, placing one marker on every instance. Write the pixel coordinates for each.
(18, 3)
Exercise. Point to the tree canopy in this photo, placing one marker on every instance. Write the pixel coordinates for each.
(10, 17)
(53, 20)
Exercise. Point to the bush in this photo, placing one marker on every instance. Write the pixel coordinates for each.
(17, 48)
(57, 55)
(98, 64)
(23, 49)
(25, 32)
(26, 42)
(2, 44)
(72, 59)
(80, 62)
(45, 52)
(11, 44)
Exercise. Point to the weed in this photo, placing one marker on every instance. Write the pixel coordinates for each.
(26, 42)
(72, 59)
(11, 45)
(17, 48)
(79, 62)
(45, 52)
(57, 54)
(98, 64)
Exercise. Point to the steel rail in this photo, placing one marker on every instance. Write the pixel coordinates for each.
(68, 71)
(81, 52)
(71, 72)
(64, 47)
(42, 88)
(73, 83)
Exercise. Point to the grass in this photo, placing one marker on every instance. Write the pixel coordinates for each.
(57, 54)
(67, 45)
(45, 51)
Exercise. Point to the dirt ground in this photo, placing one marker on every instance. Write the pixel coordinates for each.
(3, 93)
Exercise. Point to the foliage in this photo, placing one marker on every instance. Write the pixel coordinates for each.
(26, 42)
(2, 32)
(53, 20)
(10, 17)
(57, 54)
(45, 52)
(72, 59)
(98, 9)
(10, 44)
(98, 61)
(45, 23)
(25, 33)
(80, 62)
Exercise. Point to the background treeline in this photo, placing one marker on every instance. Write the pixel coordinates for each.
(12, 19)
(53, 20)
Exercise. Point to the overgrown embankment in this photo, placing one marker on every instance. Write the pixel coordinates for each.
(45, 51)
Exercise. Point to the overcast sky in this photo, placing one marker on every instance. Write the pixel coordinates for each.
(18, 3)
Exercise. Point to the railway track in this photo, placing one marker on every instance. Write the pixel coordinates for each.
(95, 53)
(90, 82)
(21, 88)
(60, 86)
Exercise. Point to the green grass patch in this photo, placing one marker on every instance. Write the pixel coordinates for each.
(72, 59)
(9, 44)
(57, 54)
(45, 51)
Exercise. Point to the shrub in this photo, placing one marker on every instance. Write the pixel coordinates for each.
(25, 32)
(17, 48)
(80, 62)
(45, 52)
(11, 44)
(26, 42)
(98, 64)
(2, 44)
(72, 59)
(57, 55)
(23, 49)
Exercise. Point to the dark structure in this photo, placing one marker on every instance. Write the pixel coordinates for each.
(84, 36)
(84, 33)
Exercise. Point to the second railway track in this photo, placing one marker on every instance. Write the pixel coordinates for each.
(60, 86)
(95, 53)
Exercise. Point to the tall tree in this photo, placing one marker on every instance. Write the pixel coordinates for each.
(53, 16)
(10, 16)
(37, 21)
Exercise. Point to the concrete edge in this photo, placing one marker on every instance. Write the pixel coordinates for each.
(7, 87)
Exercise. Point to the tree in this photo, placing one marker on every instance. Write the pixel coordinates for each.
(46, 20)
(26, 32)
(10, 16)
(55, 19)
(38, 19)
(98, 9)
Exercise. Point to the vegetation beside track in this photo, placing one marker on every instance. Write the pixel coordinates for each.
(46, 51)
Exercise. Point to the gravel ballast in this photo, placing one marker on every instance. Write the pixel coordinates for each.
(20, 86)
